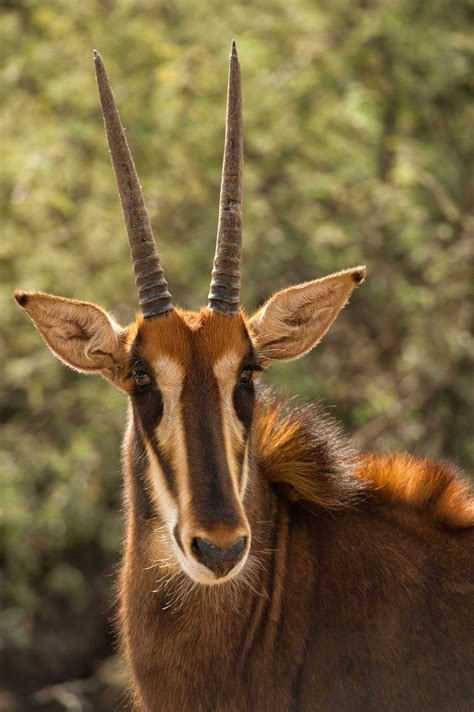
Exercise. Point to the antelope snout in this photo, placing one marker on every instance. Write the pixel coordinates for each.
(218, 560)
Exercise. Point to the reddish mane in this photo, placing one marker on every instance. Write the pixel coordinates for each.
(305, 453)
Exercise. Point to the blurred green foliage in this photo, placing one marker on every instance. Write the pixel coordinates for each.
(358, 150)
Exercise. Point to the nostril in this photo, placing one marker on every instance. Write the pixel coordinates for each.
(218, 560)
(203, 547)
(196, 547)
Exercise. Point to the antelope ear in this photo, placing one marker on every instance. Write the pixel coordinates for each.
(294, 320)
(78, 333)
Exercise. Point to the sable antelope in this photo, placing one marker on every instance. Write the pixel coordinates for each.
(267, 566)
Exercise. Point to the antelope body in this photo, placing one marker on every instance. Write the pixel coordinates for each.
(267, 566)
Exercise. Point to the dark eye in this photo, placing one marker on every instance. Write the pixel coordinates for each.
(142, 379)
(246, 375)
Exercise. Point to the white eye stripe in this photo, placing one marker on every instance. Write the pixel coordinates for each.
(229, 363)
(245, 471)
(169, 433)
(163, 499)
(232, 429)
(169, 374)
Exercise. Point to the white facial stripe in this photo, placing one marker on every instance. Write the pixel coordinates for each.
(245, 471)
(170, 373)
(225, 371)
(227, 363)
(170, 376)
(169, 432)
(164, 501)
(179, 458)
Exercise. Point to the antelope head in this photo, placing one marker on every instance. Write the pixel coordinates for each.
(190, 376)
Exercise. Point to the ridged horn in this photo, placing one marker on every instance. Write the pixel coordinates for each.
(153, 293)
(224, 295)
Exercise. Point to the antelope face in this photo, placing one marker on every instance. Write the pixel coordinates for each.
(190, 376)
(190, 380)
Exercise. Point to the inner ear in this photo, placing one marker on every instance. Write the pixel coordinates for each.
(80, 334)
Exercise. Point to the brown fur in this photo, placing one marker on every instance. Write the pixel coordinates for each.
(358, 590)
(358, 600)
(304, 452)
(428, 487)
(215, 334)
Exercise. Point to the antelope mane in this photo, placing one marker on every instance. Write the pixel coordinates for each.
(303, 451)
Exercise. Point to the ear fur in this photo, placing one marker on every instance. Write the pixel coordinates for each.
(294, 320)
(80, 334)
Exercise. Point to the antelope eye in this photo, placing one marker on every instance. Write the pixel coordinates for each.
(142, 379)
(246, 375)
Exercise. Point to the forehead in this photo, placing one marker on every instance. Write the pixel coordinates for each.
(183, 336)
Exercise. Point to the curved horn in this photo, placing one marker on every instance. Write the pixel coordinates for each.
(153, 293)
(224, 295)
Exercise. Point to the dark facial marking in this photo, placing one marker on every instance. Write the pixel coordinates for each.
(148, 410)
(139, 460)
(147, 400)
(244, 392)
(210, 479)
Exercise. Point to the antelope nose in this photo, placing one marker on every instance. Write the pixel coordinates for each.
(219, 561)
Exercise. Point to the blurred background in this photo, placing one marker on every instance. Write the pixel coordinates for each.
(359, 149)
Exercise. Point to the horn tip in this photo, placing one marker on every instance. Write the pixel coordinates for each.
(97, 59)
(233, 48)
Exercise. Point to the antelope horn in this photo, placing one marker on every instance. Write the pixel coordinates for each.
(153, 293)
(224, 295)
